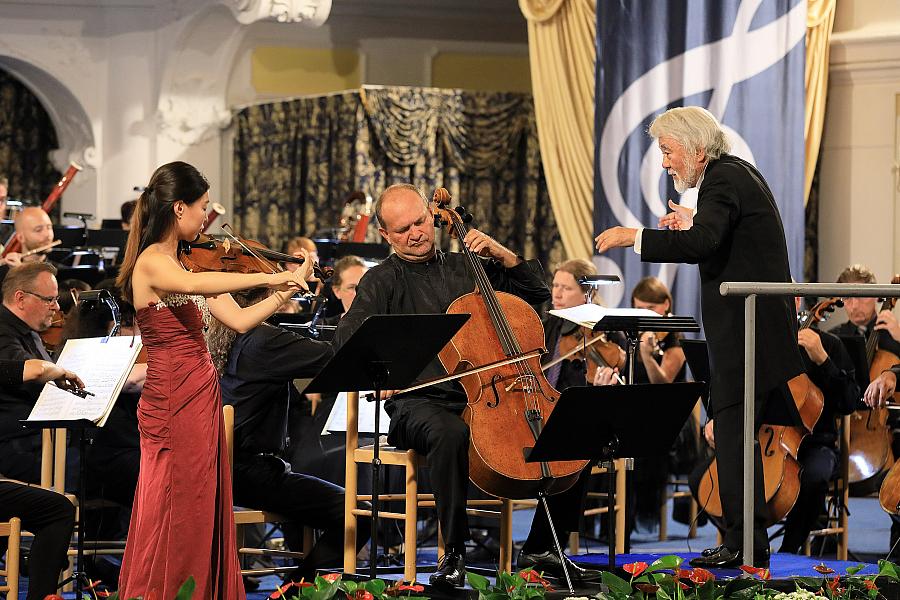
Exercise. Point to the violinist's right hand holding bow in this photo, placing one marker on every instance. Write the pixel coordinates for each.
(881, 389)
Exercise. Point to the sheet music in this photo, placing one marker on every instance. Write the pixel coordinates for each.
(103, 364)
(588, 315)
(337, 418)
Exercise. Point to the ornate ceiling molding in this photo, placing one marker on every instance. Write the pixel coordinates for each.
(312, 13)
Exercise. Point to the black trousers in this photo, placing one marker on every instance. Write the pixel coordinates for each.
(566, 509)
(819, 465)
(267, 483)
(728, 426)
(51, 518)
(440, 435)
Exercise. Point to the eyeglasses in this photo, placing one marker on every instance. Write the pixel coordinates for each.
(50, 300)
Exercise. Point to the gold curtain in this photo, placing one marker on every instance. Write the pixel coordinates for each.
(819, 23)
(561, 46)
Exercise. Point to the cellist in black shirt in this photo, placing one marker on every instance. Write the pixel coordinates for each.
(420, 279)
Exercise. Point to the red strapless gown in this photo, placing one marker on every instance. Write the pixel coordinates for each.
(182, 523)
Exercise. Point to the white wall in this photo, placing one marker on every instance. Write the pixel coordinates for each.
(858, 180)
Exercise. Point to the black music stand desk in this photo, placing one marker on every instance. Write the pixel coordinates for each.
(614, 421)
(386, 352)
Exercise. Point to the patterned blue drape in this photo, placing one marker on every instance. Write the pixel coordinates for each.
(741, 59)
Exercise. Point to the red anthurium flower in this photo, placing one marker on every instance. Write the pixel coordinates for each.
(763, 574)
(361, 594)
(701, 576)
(410, 588)
(683, 585)
(532, 576)
(870, 584)
(835, 585)
(331, 577)
(92, 584)
(823, 569)
(103, 593)
(682, 573)
(634, 569)
(53, 597)
(279, 592)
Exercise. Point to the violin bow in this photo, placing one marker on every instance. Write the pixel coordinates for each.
(576, 350)
(264, 261)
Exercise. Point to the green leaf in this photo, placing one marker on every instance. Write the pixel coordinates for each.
(662, 594)
(478, 582)
(665, 562)
(187, 589)
(811, 583)
(616, 583)
(349, 586)
(738, 585)
(376, 587)
(888, 569)
(855, 569)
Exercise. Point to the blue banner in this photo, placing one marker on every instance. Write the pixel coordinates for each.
(743, 60)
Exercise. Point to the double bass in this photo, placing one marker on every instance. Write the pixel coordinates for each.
(506, 406)
(778, 445)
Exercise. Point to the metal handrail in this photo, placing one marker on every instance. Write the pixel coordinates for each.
(750, 290)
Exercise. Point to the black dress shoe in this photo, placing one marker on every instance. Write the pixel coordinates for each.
(548, 563)
(721, 557)
(451, 571)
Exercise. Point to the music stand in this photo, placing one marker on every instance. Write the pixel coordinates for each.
(608, 422)
(79, 575)
(367, 362)
(632, 326)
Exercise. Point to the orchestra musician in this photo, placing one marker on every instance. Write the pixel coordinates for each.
(348, 270)
(418, 278)
(257, 369)
(735, 234)
(863, 317)
(658, 360)
(34, 230)
(49, 516)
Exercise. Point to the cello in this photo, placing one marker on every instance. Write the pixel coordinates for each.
(778, 445)
(870, 437)
(507, 406)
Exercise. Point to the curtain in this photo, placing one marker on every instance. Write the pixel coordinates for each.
(819, 23)
(295, 161)
(561, 38)
(27, 137)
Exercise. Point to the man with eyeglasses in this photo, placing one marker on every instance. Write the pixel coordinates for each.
(34, 230)
(30, 295)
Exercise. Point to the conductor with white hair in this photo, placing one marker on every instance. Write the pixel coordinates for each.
(736, 234)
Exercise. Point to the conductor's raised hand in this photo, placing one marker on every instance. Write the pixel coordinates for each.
(681, 218)
(881, 390)
(484, 245)
(615, 237)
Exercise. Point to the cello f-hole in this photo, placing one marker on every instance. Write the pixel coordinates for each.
(769, 431)
(496, 401)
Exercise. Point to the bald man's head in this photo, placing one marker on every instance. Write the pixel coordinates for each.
(33, 228)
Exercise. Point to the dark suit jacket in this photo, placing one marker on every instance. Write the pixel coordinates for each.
(737, 235)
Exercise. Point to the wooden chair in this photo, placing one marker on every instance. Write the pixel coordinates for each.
(246, 516)
(618, 508)
(676, 493)
(13, 530)
(838, 521)
(410, 461)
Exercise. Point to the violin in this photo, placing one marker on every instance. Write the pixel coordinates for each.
(591, 347)
(232, 254)
(778, 445)
(52, 337)
(508, 405)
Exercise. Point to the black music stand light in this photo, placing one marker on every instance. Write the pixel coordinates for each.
(602, 423)
(386, 352)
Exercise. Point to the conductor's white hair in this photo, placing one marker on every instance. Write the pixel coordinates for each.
(694, 128)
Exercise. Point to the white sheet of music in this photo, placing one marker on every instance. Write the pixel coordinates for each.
(588, 314)
(103, 365)
(337, 418)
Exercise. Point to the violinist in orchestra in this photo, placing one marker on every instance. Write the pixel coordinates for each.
(127, 211)
(735, 234)
(258, 368)
(863, 316)
(660, 359)
(348, 270)
(418, 278)
(34, 230)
